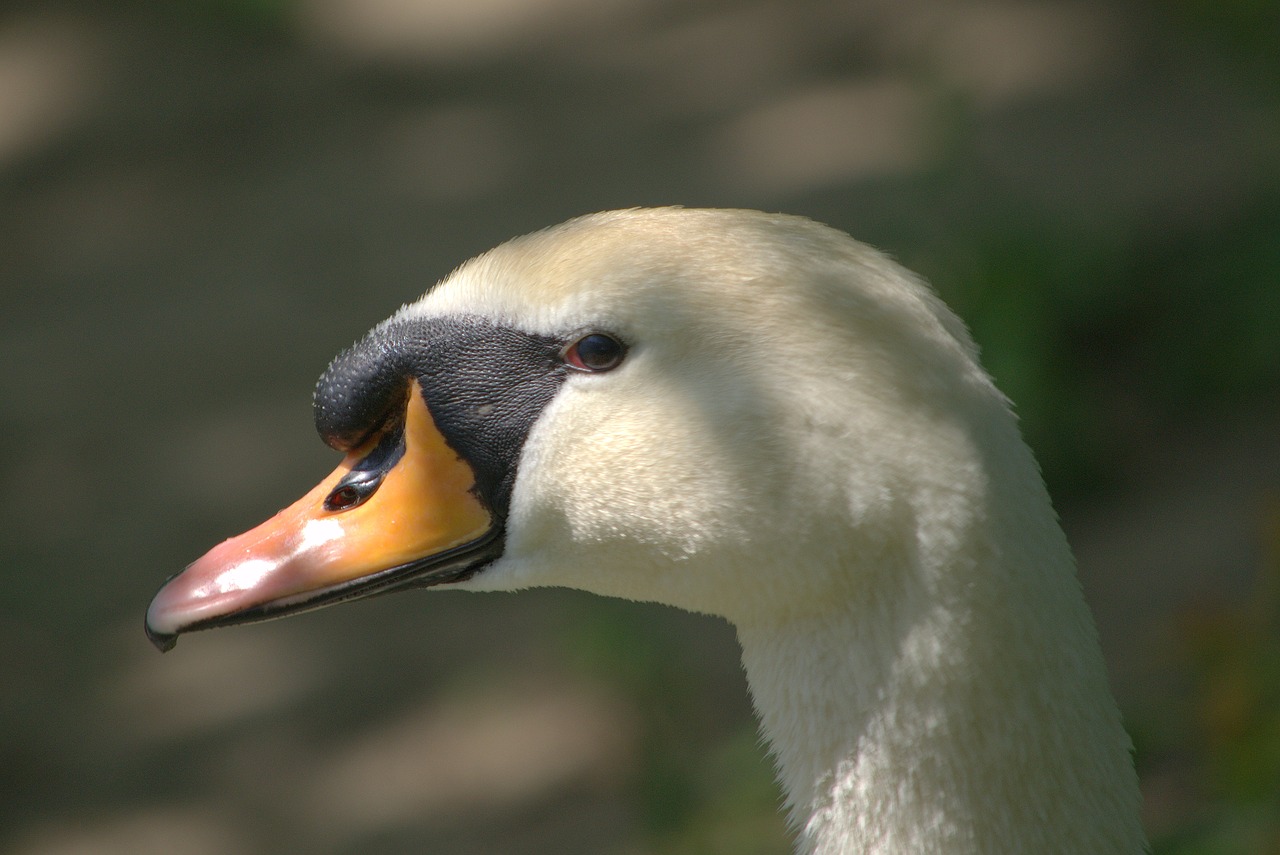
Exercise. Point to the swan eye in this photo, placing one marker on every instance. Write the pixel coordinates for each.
(595, 352)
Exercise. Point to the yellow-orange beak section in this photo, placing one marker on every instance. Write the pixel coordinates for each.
(423, 523)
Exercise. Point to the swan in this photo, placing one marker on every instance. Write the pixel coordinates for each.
(745, 415)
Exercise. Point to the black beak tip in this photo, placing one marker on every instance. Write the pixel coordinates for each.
(164, 642)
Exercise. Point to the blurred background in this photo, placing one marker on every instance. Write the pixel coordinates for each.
(202, 201)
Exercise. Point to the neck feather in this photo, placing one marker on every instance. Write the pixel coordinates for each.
(960, 707)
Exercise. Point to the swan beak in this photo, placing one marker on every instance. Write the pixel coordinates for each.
(420, 524)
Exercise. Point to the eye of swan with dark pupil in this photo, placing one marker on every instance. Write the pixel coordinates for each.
(595, 352)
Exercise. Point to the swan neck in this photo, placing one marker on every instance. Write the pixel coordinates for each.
(925, 729)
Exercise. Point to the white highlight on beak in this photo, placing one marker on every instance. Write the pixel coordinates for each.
(241, 577)
(317, 533)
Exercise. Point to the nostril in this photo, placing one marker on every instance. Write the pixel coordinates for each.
(343, 498)
(366, 474)
(354, 489)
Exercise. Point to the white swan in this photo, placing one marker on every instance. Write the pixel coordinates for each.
(751, 416)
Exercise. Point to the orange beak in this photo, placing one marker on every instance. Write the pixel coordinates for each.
(414, 520)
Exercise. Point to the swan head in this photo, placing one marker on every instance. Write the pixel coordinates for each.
(747, 415)
(726, 411)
